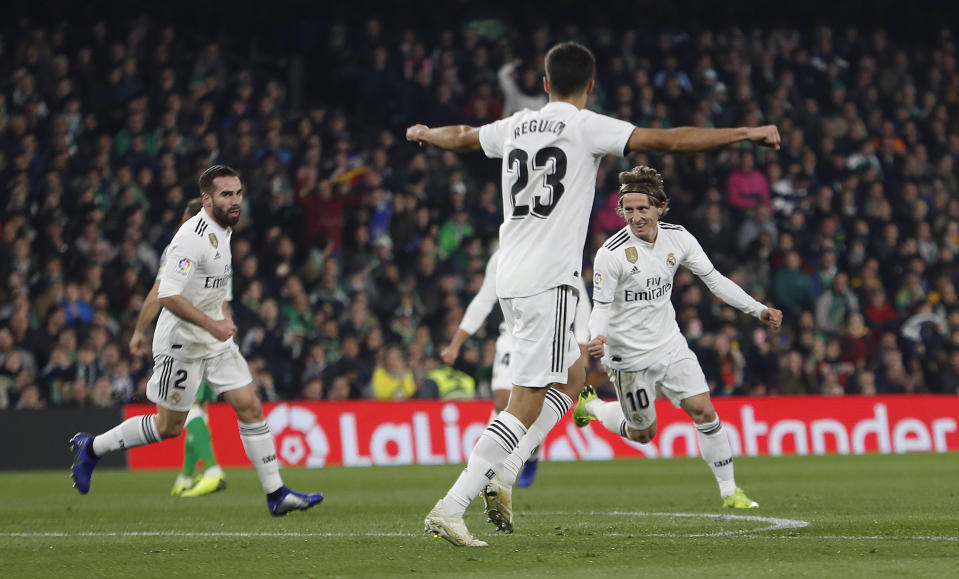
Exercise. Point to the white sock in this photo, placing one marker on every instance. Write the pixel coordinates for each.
(493, 446)
(131, 433)
(258, 443)
(610, 415)
(196, 411)
(714, 446)
(535, 455)
(555, 406)
(214, 471)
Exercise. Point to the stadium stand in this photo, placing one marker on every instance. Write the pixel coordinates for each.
(353, 240)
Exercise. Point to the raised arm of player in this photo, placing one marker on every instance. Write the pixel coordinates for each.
(694, 139)
(453, 138)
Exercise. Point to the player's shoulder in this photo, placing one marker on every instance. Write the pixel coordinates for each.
(517, 117)
(594, 117)
(616, 240)
(672, 229)
(677, 235)
(193, 231)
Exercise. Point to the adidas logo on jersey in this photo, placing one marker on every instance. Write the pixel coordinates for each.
(634, 271)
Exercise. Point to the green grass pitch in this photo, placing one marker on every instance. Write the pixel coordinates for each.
(833, 516)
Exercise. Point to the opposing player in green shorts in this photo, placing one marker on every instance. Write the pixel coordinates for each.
(199, 444)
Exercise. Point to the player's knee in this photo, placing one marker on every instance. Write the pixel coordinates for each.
(703, 415)
(248, 409)
(169, 429)
(642, 436)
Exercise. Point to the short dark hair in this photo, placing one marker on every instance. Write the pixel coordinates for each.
(206, 179)
(569, 68)
(193, 207)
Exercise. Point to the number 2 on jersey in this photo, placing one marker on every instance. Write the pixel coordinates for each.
(553, 159)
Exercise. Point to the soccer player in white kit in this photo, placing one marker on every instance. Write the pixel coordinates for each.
(194, 342)
(634, 330)
(197, 443)
(550, 160)
(502, 384)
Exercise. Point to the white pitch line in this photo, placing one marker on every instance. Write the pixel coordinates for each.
(135, 534)
(773, 524)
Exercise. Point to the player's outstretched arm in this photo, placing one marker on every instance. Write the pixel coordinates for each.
(453, 138)
(695, 139)
(148, 312)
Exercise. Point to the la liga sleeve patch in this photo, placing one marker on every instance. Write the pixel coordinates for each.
(184, 266)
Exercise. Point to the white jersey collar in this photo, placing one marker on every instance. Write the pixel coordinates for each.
(553, 105)
(643, 242)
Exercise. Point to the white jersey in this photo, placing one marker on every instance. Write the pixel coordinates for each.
(198, 266)
(636, 279)
(482, 303)
(550, 159)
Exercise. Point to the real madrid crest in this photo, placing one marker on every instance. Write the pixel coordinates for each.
(632, 255)
(671, 260)
(216, 243)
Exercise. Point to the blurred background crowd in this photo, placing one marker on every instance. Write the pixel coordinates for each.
(357, 252)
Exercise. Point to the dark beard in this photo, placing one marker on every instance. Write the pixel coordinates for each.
(223, 217)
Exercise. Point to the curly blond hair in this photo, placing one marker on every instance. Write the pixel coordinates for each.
(645, 180)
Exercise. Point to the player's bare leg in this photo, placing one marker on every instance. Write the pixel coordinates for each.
(499, 439)
(259, 446)
(554, 401)
(713, 443)
(716, 450)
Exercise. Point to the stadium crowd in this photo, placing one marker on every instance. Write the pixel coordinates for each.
(357, 252)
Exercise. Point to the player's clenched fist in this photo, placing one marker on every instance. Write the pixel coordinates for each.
(767, 136)
(595, 346)
(772, 318)
(138, 345)
(416, 133)
(222, 329)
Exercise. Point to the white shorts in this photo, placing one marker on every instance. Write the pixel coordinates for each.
(678, 376)
(502, 379)
(541, 327)
(174, 382)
